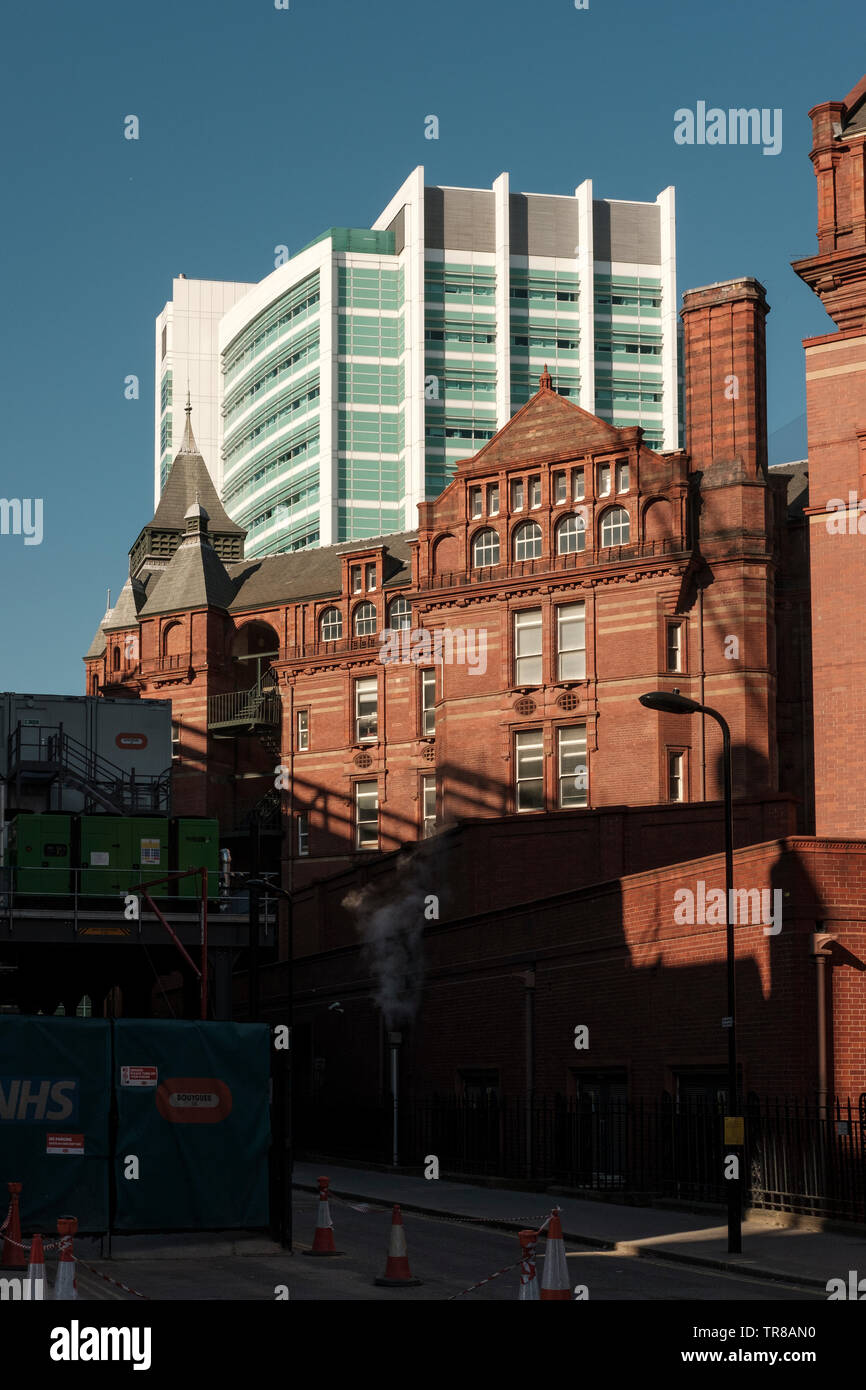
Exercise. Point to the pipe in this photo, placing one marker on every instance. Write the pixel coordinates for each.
(818, 950)
(395, 1039)
(529, 980)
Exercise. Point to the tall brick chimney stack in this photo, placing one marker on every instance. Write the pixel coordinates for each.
(726, 375)
(836, 412)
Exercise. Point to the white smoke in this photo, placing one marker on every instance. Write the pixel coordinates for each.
(392, 933)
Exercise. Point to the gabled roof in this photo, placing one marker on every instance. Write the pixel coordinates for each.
(547, 427)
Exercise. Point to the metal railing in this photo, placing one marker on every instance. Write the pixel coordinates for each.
(799, 1157)
(257, 706)
(48, 751)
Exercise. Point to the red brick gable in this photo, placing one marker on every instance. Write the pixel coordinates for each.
(547, 427)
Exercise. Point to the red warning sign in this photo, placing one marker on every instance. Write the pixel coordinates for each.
(193, 1100)
(139, 1076)
(64, 1143)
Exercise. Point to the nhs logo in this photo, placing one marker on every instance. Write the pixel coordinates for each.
(38, 1099)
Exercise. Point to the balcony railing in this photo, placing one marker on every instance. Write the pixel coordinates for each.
(255, 708)
(556, 564)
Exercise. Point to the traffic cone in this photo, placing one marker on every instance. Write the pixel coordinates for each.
(554, 1283)
(397, 1272)
(36, 1269)
(323, 1240)
(13, 1256)
(528, 1278)
(65, 1285)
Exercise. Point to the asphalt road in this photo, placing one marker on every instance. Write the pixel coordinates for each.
(448, 1256)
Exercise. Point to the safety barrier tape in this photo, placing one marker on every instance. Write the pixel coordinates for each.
(508, 1268)
(66, 1241)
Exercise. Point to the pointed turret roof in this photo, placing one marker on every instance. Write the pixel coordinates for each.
(547, 427)
(189, 480)
(97, 646)
(129, 604)
(195, 576)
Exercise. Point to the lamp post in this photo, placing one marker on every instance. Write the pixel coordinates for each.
(284, 1091)
(672, 702)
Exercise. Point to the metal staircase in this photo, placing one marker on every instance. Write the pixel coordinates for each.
(45, 755)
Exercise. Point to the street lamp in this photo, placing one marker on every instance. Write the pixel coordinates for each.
(283, 1094)
(672, 702)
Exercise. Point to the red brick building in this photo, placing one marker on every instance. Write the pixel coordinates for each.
(470, 690)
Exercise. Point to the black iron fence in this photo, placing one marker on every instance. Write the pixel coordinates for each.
(799, 1157)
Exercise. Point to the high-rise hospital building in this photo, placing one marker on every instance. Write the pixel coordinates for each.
(340, 391)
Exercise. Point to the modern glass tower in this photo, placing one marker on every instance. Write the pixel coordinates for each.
(354, 376)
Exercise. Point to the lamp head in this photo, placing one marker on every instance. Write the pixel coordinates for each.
(669, 702)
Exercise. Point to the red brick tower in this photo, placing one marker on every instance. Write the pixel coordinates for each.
(836, 405)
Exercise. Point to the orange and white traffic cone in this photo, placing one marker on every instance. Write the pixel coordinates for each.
(323, 1240)
(528, 1278)
(65, 1285)
(554, 1283)
(13, 1256)
(36, 1269)
(397, 1272)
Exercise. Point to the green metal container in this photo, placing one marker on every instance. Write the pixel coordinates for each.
(195, 846)
(40, 848)
(118, 852)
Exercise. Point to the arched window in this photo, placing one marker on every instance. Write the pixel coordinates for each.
(527, 541)
(331, 625)
(365, 620)
(485, 549)
(400, 614)
(615, 527)
(571, 535)
(115, 659)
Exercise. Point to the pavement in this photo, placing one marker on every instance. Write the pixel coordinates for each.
(784, 1248)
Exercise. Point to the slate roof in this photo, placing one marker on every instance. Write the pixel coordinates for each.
(797, 474)
(194, 577)
(188, 478)
(313, 573)
(129, 604)
(855, 110)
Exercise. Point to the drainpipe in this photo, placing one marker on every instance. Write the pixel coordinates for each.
(818, 949)
(529, 982)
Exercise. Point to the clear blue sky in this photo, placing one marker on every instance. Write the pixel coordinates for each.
(262, 126)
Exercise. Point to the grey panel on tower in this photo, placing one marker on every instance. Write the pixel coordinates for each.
(626, 232)
(398, 227)
(459, 219)
(542, 226)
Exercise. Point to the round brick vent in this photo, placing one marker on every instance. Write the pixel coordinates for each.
(525, 706)
(430, 753)
(568, 700)
(363, 760)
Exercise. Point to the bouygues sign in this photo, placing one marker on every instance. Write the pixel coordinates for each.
(193, 1100)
